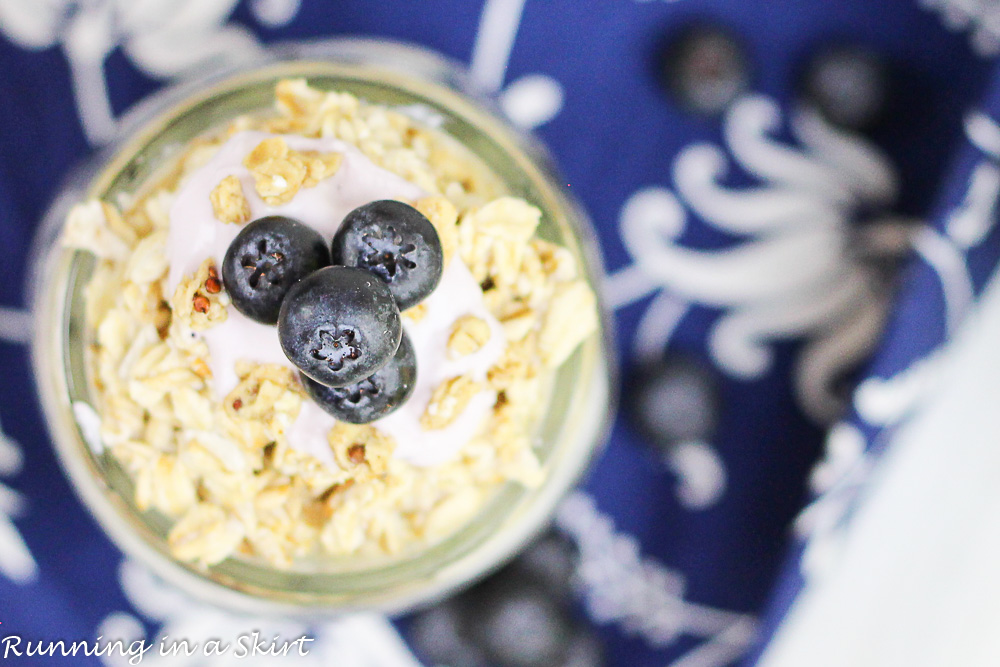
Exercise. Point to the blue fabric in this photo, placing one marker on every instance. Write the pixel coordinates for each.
(615, 134)
(918, 328)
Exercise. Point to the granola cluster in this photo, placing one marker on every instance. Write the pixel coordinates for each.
(225, 470)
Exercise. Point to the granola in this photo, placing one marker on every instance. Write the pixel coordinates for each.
(230, 469)
(228, 201)
(468, 335)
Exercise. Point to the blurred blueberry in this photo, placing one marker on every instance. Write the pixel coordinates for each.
(516, 623)
(518, 617)
(585, 650)
(435, 636)
(551, 562)
(673, 400)
(704, 68)
(848, 85)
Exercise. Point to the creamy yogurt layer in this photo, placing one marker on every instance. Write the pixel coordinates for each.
(195, 233)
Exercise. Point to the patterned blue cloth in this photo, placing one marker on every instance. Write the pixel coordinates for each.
(691, 559)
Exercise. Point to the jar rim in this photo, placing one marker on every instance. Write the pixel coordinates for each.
(436, 569)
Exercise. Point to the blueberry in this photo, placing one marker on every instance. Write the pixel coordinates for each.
(339, 325)
(395, 242)
(375, 396)
(517, 617)
(265, 259)
(585, 649)
(434, 635)
(515, 623)
(704, 68)
(674, 400)
(849, 86)
(551, 561)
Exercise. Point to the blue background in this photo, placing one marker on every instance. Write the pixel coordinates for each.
(616, 133)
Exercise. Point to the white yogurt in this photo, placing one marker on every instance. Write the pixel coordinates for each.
(196, 234)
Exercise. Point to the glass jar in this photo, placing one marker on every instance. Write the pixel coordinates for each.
(385, 73)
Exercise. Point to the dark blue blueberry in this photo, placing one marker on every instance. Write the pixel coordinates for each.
(518, 617)
(395, 242)
(674, 400)
(434, 635)
(584, 650)
(551, 561)
(339, 325)
(848, 85)
(375, 396)
(704, 68)
(265, 259)
(514, 622)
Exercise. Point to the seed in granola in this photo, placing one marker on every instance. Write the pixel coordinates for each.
(356, 453)
(237, 404)
(487, 284)
(163, 317)
(213, 285)
(193, 307)
(200, 303)
(332, 489)
(397, 243)
(265, 259)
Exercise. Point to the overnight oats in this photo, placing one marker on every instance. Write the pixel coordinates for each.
(322, 331)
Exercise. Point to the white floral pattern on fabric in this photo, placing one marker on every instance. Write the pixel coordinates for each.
(979, 18)
(887, 402)
(275, 13)
(16, 561)
(967, 226)
(645, 598)
(15, 325)
(163, 38)
(701, 474)
(353, 640)
(531, 100)
(804, 209)
(837, 479)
